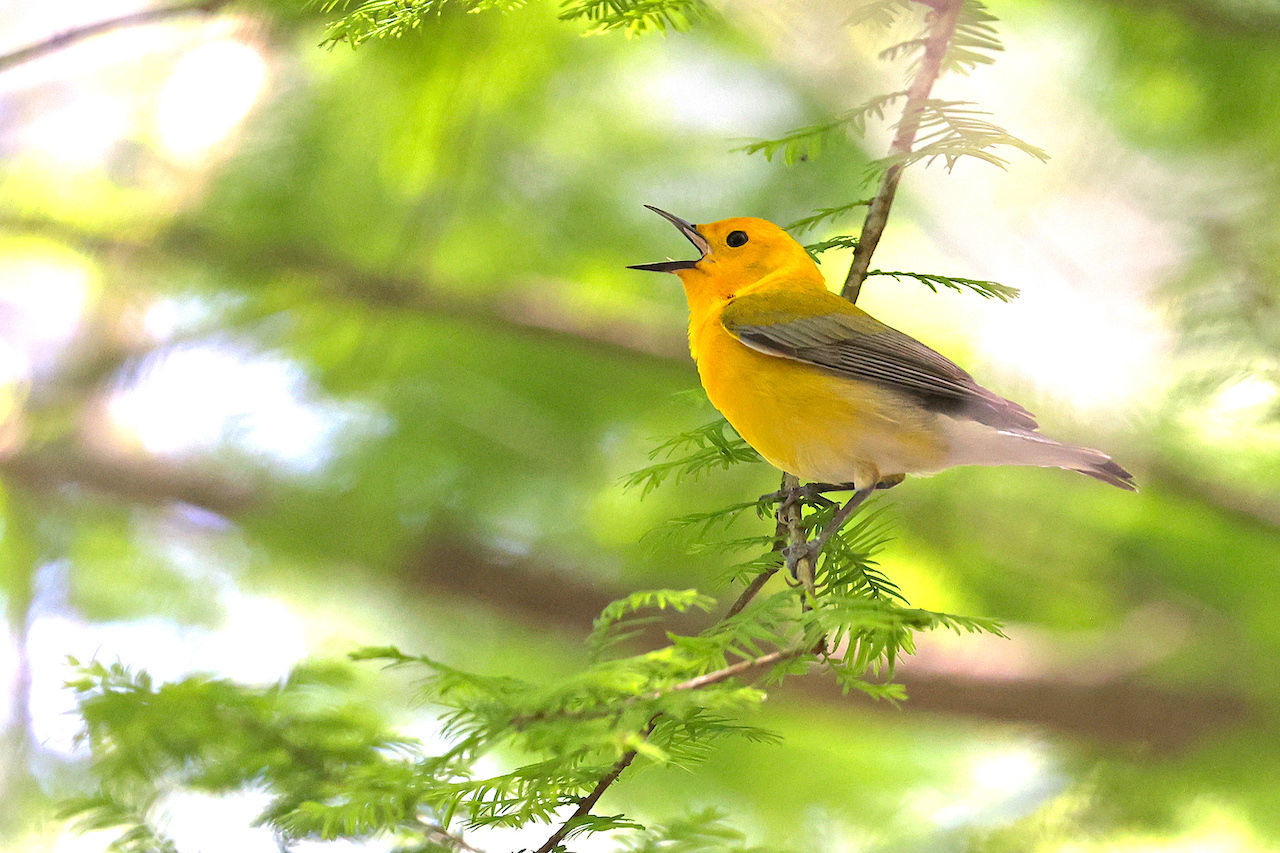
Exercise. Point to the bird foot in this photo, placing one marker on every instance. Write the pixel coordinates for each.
(793, 554)
(813, 493)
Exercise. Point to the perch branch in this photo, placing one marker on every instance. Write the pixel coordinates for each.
(942, 26)
(77, 34)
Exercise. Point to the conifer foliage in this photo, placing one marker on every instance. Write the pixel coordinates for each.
(530, 751)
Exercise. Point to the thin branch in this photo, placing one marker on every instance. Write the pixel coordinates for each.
(942, 26)
(790, 514)
(704, 680)
(76, 34)
(730, 671)
(588, 803)
(757, 583)
(348, 282)
(444, 836)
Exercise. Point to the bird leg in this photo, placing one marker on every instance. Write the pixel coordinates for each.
(811, 549)
(811, 492)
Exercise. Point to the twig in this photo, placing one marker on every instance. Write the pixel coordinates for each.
(730, 671)
(336, 278)
(705, 680)
(76, 34)
(942, 27)
(434, 830)
(588, 802)
(790, 513)
(758, 582)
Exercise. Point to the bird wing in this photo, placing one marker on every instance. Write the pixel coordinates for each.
(821, 329)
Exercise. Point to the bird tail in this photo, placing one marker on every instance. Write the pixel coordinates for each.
(976, 444)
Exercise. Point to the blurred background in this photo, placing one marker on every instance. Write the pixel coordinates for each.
(302, 349)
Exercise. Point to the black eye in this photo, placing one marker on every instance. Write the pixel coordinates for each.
(736, 239)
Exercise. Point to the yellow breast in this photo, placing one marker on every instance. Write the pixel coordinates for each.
(810, 422)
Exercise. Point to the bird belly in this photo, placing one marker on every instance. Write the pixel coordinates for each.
(814, 424)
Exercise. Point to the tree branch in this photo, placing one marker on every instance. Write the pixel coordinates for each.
(588, 803)
(942, 26)
(77, 34)
(445, 837)
(345, 281)
(780, 540)
(730, 671)
(791, 514)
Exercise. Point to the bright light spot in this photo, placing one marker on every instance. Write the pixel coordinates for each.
(1002, 782)
(1247, 397)
(202, 398)
(259, 641)
(42, 298)
(1009, 770)
(15, 369)
(205, 823)
(705, 94)
(207, 95)
(1094, 351)
(79, 133)
(165, 318)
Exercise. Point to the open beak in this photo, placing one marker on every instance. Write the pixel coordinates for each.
(690, 232)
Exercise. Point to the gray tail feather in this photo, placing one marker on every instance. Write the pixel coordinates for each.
(1110, 472)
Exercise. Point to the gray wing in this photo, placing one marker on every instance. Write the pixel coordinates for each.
(860, 347)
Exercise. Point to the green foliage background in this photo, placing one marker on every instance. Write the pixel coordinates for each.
(428, 233)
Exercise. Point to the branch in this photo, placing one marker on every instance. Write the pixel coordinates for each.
(730, 671)
(942, 26)
(76, 34)
(791, 514)
(144, 480)
(588, 803)
(348, 282)
(445, 837)
(780, 540)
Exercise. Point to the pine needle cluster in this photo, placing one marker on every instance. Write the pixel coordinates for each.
(382, 19)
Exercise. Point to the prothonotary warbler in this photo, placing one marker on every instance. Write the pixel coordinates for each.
(822, 389)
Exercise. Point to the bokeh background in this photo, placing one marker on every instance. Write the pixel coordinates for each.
(303, 349)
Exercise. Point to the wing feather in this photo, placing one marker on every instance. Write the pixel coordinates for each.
(852, 343)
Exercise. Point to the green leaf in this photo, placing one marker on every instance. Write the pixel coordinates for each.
(805, 143)
(822, 214)
(382, 19)
(614, 617)
(706, 448)
(950, 130)
(635, 17)
(842, 241)
(982, 287)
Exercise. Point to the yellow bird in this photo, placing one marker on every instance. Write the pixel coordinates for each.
(822, 389)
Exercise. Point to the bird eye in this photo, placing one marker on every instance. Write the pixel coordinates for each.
(736, 239)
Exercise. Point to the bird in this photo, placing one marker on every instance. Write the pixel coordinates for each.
(823, 390)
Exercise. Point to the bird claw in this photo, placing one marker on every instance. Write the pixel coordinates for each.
(812, 493)
(793, 554)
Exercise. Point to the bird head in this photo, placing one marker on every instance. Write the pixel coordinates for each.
(735, 253)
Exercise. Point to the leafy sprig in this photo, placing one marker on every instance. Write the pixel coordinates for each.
(386, 19)
(705, 448)
(934, 281)
(636, 17)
